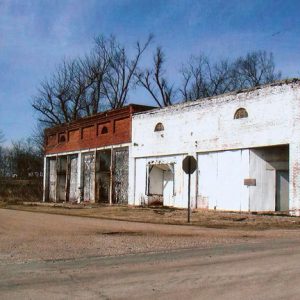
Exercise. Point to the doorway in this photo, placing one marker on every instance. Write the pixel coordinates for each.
(161, 184)
(282, 190)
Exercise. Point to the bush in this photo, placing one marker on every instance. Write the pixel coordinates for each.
(15, 190)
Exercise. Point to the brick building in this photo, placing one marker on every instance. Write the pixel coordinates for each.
(87, 160)
(246, 143)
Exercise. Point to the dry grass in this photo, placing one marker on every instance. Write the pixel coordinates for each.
(161, 215)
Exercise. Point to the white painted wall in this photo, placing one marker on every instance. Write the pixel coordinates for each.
(168, 183)
(221, 180)
(262, 196)
(207, 126)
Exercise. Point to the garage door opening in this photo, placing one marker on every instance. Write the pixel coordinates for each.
(269, 166)
(160, 184)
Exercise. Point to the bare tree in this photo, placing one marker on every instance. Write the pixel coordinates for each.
(255, 68)
(155, 82)
(25, 158)
(2, 139)
(4, 162)
(22, 158)
(195, 76)
(203, 79)
(59, 98)
(38, 138)
(95, 67)
(120, 76)
(84, 86)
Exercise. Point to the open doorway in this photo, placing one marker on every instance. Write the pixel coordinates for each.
(282, 190)
(269, 166)
(103, 176)
(62, 178)
(160, 184)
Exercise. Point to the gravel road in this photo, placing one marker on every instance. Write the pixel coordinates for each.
(36, 236)
(264, 270)
(67, 257)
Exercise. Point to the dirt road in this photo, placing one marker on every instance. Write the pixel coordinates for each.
(62, 257)
(251, 271)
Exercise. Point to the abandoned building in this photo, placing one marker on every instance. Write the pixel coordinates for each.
(87, 160)
(246, 143)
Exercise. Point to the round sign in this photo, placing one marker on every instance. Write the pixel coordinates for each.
(189, 164)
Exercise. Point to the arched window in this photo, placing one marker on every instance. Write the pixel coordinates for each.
(159, 127)
(104, 130)
(241, 113)
(62, 138)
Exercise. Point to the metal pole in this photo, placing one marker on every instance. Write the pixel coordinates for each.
(189, 192)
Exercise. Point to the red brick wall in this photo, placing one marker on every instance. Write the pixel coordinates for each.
(89, 133)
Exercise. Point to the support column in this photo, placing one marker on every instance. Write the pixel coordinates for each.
(294, 185)
(131, 178)
(111, 176)
(79, 177)
(45, 177)
(294, 156)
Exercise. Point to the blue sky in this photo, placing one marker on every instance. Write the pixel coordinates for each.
(36, 35)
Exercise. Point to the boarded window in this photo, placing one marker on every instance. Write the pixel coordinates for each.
(241, 113)
(159, 127)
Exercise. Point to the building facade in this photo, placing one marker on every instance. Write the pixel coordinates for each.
(87, 160)
(246, 143)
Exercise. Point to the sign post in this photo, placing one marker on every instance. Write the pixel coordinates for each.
(189, 166)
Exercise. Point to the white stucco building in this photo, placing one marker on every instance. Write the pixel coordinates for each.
(247, 145)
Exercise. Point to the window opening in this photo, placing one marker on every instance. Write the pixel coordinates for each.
(241, 113)
(104, 130)
(159, 127)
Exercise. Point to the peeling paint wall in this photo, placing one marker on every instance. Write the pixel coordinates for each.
(95, 176)
(73, 189)
(88, 168)
(52, 179)
(120, 176)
